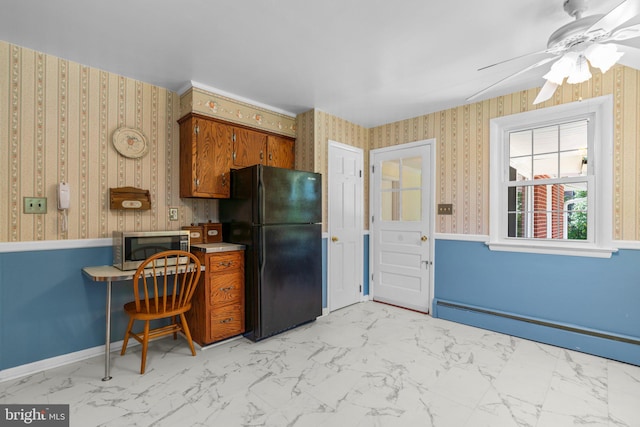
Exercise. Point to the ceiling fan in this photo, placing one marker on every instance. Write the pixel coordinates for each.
(587, 40)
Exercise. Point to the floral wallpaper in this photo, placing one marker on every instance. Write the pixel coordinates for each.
(201, 101)
(462, 148)
(315, 129)
(57, 120)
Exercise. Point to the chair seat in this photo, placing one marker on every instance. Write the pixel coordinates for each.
(152, 313)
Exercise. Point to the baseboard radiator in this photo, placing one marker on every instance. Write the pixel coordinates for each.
(539, 322)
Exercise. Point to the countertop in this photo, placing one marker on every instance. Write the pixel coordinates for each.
(217, 247)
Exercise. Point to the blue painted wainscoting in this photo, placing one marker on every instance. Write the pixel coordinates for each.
(586, 304)
(48, 308)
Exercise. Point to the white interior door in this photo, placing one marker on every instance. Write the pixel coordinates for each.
(345, 246)
(401, 225)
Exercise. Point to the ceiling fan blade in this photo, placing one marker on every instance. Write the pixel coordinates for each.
(546, 92)
(625, 33)
(617, 16)
(524, 70)
(513, 59)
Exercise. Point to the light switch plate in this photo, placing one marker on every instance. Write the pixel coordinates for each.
(445, 209)
(35, 205)
(173, 214)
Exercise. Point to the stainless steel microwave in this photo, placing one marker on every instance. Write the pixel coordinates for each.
(131, 248)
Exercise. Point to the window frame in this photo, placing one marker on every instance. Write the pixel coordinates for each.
(599, 112)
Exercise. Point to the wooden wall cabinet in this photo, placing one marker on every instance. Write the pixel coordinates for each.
(280, 152)
(205, 158)
(249, 147)
(209, 149)
(217, 308)
(256, 148)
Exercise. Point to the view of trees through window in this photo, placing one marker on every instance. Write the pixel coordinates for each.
(548, 182)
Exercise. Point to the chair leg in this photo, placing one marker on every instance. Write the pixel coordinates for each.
(175, 334)
(187, 333)
(145, 344)
(126, 337)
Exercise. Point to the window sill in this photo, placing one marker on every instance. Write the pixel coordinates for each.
(558, 248)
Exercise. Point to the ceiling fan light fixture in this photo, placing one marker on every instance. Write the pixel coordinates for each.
(562, 68)
(603, 56)
(586, 42)
(581, 72)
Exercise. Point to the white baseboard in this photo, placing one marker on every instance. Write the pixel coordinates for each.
(57, 361)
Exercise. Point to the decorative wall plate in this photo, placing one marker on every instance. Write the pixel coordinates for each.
(130, 142)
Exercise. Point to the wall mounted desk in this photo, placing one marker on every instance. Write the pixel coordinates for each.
(110, 274)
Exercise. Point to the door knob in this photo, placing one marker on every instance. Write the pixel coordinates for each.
(334, 239)
(423, 238)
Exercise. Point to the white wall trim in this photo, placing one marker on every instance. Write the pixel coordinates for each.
(465, 237)
(619, 244)
(627, 244)
(62, 360)
(233, 96)
(46, 245)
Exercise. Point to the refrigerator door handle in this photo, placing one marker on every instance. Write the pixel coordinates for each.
(261, 197)
(262, 261)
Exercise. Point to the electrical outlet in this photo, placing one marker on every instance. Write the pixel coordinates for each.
(35, 205)
(173, 214)
(445, 209)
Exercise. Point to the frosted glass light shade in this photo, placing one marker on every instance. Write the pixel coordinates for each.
(562, 68)
(581, 72)
(603, 56)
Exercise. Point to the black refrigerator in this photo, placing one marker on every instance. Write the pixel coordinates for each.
(277, 214)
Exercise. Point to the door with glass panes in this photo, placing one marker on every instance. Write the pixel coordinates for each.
(400, 225)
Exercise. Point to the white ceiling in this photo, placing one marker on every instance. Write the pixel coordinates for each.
(368, 61)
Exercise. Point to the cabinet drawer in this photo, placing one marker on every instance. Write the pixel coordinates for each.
(226, 261)
(226, 289)
(226, 322)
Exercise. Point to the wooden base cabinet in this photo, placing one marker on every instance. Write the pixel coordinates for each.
(217, 310)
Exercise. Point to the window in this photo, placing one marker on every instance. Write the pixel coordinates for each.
(401, 198)
(551, 191)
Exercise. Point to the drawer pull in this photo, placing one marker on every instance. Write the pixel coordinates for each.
(225, 264)
(227, 289)
(227, 320)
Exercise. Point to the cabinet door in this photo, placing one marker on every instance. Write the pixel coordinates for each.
(188, 147)
(280, 152)
(222, 135)
(249, 148)
(205, 158)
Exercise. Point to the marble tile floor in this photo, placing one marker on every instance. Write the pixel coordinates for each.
(368, 364)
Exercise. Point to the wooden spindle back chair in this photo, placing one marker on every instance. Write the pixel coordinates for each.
(159, 292)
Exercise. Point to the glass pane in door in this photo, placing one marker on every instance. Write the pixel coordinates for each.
(401, 189)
